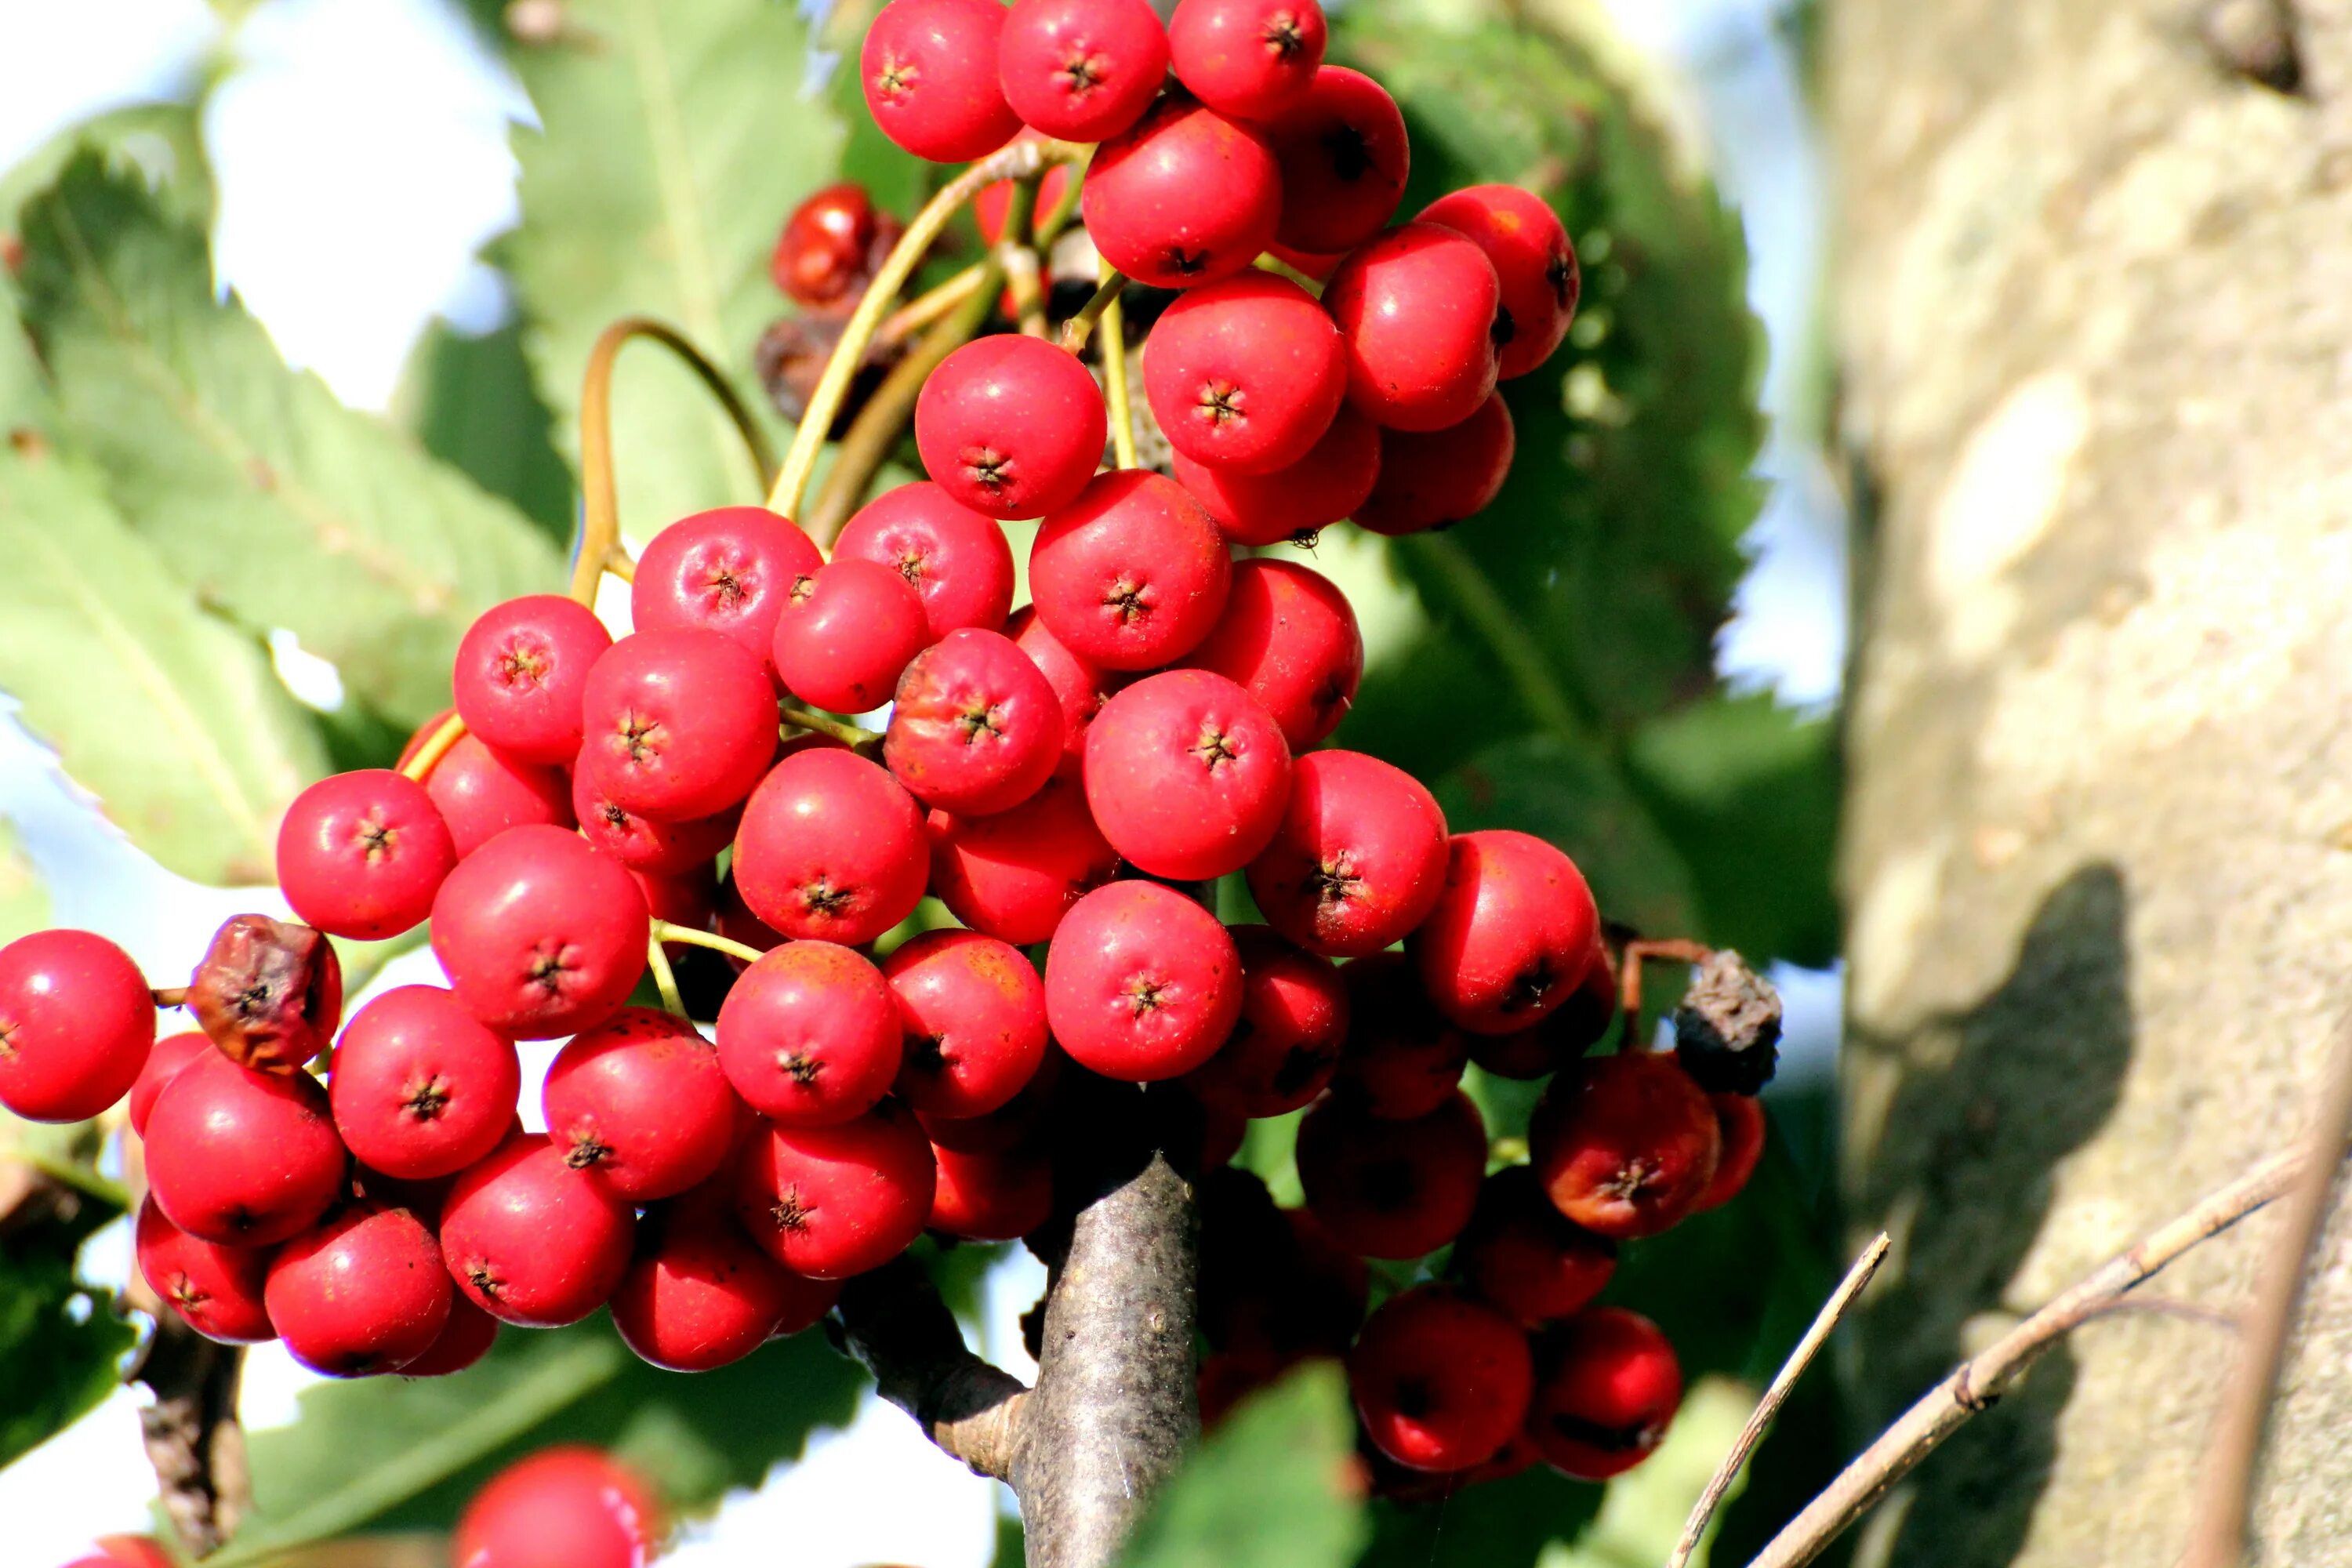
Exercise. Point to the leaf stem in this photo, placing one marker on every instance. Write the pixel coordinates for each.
(1076, 331)
(420, 766)
(1019, 260)
(690, 937)
(858, 737)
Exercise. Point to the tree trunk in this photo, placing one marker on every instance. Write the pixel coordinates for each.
(2094, 308)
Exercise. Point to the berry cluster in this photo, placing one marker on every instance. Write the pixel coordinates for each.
(1063, 777)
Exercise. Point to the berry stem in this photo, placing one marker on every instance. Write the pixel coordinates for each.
(1113, 366)
(170, 995)
(599, 529)
(1281, 268)
(420, 766)
(924, 309)
(1666, 950)
(666, 932)
(1076, 331)
(664, 980)
(1019, 260)
(856, 737)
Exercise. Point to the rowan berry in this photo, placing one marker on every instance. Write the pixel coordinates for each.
(679, 723)
(971, 1019)
(1561, 1036)
(1626, 1145)
(727, 571)
(1187, 775)
(1441, 1380)
(1250, 59)
(847, 631)
(1391, 1189)
(955, 559)
(1011, 427)
(1344, 157)
(1534, 262)
(976, 728)
(1439, 478)
(930, 75)
(1416, 307)
(361, 854)
(464, 1339)
(541, 935)
(640, 1101)
(481, 793)
(830, 848)
(1014, 875)
(643, 845)
(533, 1241)
(216, 1289)
(809, 1036)
(168, 1056)
(1083, 70)
(1525, 1257)
(77, 1024)
(1739, 1119)
(1606, 1387)
(1297, 502)
(1288, 638)
(699, 1295)
(240, 1157)
(565, 1506)
(830, 246)
(830, 1202)
(1511, 934)
(1245, 374)
(1132, 574)
(522, 669)
(363, 1292)
(1000, 1197)
(1184, 196)
(1080, 684)
(1141, 983)
(1359, 858)
(1404, 1059)
(419, 1087)
(1293, 1021)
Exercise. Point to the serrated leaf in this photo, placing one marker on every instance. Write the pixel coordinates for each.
(174, 720)
(471, 402)
(676, 140)
(24, 902)
(159, 145)
(276, 504)
(1274, 1486)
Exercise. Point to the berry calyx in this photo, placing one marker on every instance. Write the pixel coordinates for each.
(1245, 375)
(954, 558)
(809, 1036)
(929, 69)
(831, 847)
(1132, 574)
(830, 1202)
(1510, 936)
(1187, 774)
(1081, 69)
(541, 935)
(1011, 427)
(1182, 197)
(364, 1292)
(1141, 983)
(1359, 858)
(641, 1102)
(679, 723)
(522, 669)
(1441, 1380)
(533, 1241)
(1249, 59)
(420, 1087)
(1606, 1384)
(1626, 1145)
(361, 854)
(976, 728)
(76, 1025)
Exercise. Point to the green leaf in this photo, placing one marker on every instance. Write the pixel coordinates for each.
(279, 506)
(1274, 1486)
(160, 146)
(61, 1343)
(676, 140)
(471, 402)
(24, 902)
(175, 720)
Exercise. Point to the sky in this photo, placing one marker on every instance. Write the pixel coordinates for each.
(361, 147)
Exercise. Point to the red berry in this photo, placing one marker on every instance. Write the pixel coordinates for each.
(1443, 477)
(654, 849)
(992, 1196)
(1080, 684)
(1344, 157)
(76, 1025)
(1562, 1035)
(831, 847)
(1187, 774)
(481, 793)
(1417, 307)
(1391, 1189)
(680, 723)
(830, 1202)
(565, 1506)
(1511, 935)
(699, 1295)
(1019, 1121)
(641, 1101)
(846, 633)
(1011, 427)
(1404, 1059)
(1132, 574)
(419, 1088)
(1251, 58)
(930, 68)
(240, 1157)
(955, 559)
(1740, 1119)
(689, 898)
(466, 1339)
(1016, 874)
(726, 570)
(1081, 69)
(1607, 1384)
(1626, 1145)
(541, 935)
(364, 1292)
(1141, 983)
(971, 1015)
(976, 728)
(1293, 1021)
(1245, 374)
(216, 1289)
(521, 668)
(533, 1241)
(1441, 1380)
(165, 1060)
(361, 854)
(825, 250)
(1295, 503)
(809, 1036)
(1289, 636)
(1358, 860)
(1182, 197)
(1533, 258)
(1526, 1258)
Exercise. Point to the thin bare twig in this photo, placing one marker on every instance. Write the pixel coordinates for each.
(897, 1326)
(1777, 1394)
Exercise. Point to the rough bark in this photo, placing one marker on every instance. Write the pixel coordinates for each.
(895, 1323)
(2094, 309)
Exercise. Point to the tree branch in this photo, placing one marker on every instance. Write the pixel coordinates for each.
(191, 1433)
(895, 1324)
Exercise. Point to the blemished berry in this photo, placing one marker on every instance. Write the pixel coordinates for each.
(1439, 478)
(564, 1507)
(1563, 1036)
(1404, 1059)
(1441, 1380)
(522, 669)
(1249, 59)
(1182, 197)
(165, 1060)
(1014, 875)
(1081, 69)
(992, 1196)
(930, 75)
(1739, 1121)
(654, 849)
(1187, 775)
(1606, 1387)
(1080, 684)
(640, 1101)
(809, 1036)
(847, 632)
(1510, 936)
(698, 1295)
(830, 1202)
(363, 1292)
(1011, 427)
(464, 1339)
(77, 1024)
(726, 571)
(971, 1019)
(361, 854)
(420, 1087)
(1297, 502)
(1246, 374)
(679, 723)
(269, 992)
(1141, 983)
(240, 1157)
(1626, 1145)
(1531, 1261)
(976, 728)
(1417, 307)
(481, 793)
(533, 1241)
(541, 935)
(828, 248)
(955, 559)
(1533, 260)
(1391, 1189)
(1132, 574)
(216, 1289)
(1358, 860)
(831, 847)
(1288, 638)
(1344, 157)
(1283, 1051)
